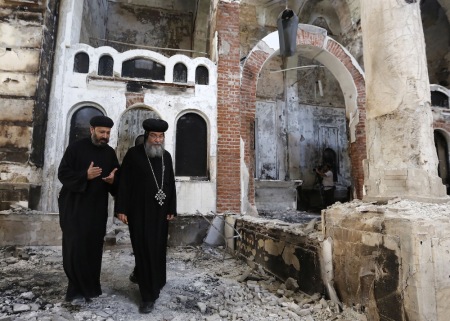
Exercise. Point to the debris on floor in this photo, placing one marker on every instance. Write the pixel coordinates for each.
(204, 283)
(289, 215)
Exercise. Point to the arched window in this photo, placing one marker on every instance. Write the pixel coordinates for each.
(439, 99)
(180, 73)
(81, 63)
(201, 75)
(143, 68)
(105, 66)
(191, 146)
(442, 152)
(79, 124)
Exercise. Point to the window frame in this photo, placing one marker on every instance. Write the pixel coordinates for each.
(207, 149)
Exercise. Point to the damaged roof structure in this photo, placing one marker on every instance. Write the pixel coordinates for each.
(364, 88)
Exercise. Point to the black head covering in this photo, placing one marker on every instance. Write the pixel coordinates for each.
(155, 125)
(101, 121)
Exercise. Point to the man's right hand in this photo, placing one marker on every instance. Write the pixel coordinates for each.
(93, 172)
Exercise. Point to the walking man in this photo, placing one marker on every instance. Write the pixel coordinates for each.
(146, 201)
(87, 172)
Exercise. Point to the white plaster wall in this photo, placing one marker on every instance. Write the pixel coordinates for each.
(108, 94)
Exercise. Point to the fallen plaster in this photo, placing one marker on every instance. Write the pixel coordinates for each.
(203, 284)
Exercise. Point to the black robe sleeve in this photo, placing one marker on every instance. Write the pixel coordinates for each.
(72, 179)
(124, 181)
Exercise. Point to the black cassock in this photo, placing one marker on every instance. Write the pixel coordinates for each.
(83, 213)
(147, 220)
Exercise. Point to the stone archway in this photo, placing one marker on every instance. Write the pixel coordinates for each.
(314, 43)
(130, 127)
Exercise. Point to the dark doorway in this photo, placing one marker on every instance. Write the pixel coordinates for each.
(329, 157)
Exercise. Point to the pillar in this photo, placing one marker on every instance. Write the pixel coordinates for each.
(228, 108)
(402, 160)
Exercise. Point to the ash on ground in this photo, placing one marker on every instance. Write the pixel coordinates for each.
(203, 283)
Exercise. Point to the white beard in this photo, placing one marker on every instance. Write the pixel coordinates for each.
(153, 151)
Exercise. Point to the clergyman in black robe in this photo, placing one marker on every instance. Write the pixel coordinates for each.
(86, 172)
(146, 201)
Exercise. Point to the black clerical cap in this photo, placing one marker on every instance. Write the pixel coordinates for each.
(155, 125)
(101, 121)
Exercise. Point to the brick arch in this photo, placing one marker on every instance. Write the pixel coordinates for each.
(312, 37)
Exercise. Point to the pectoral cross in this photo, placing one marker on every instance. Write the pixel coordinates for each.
(160, 197)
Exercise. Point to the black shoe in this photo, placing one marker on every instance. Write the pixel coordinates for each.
(146, 307)
(70, 298)
(133, 277)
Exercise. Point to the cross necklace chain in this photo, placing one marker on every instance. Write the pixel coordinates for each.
(160, 196)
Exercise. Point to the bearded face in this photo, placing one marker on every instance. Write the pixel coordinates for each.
(154, 145)
(100, 136)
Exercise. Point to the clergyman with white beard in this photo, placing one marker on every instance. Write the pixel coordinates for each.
(146, 201)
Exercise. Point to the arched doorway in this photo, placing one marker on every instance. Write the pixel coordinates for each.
(79, 123)
(314, 44)
(130, 127)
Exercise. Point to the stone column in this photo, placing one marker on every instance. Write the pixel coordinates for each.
(402, 159)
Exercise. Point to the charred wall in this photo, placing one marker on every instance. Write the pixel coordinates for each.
(50, 19)
(27, 31)
(93, 27)
(146, 26)
(283, 253)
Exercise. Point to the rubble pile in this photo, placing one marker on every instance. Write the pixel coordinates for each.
(289, 215)
(204, 283)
